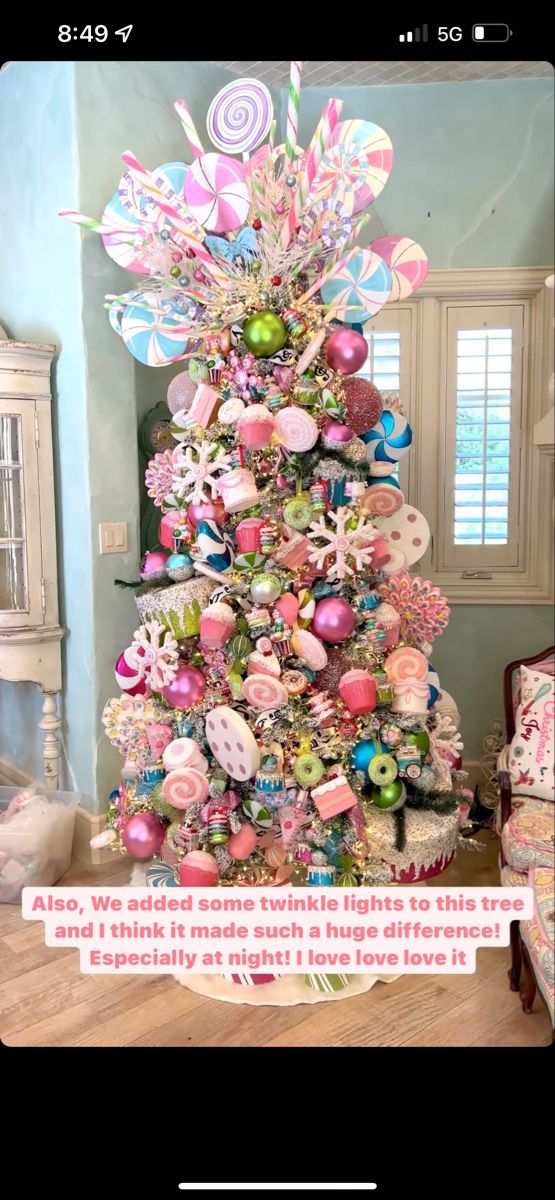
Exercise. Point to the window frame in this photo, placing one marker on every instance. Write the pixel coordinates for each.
(529, 578)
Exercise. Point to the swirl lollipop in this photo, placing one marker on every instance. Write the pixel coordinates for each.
(264, 692)
(296, 429)
(406, 663)
(359, 288)
(240, 116)
(152, 336)
(373, 143)
(407, 262)
(185, 786)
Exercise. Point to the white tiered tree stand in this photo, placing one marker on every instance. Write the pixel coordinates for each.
(30, 633)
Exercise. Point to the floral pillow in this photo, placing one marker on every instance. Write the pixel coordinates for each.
(532, 752)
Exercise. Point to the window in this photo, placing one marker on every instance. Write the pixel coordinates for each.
(470, 359)
(483, 367)
(483, 436)
(389, 366)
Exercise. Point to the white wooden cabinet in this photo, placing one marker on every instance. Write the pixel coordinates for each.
(30, 633)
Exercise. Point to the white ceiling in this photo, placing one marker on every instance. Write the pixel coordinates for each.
(324, 74)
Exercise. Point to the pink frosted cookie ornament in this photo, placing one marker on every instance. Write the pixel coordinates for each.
(183, 752)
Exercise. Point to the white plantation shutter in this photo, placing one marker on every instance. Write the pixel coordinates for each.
(481, 459)
(388, 366)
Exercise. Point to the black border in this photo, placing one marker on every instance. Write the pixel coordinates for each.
(35, 37)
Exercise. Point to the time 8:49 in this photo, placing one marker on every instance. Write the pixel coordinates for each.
(100, 33)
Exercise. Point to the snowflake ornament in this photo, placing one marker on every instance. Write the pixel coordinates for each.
(342, 546)
(445, 737)
(194, 469)
(155, 655)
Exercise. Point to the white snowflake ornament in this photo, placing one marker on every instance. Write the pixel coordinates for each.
(194, 471)
(342, 547)
(155, 655)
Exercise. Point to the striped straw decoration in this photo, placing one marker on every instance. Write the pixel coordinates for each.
(332, 266)
(293, 112)
(184, 114)
(316, 150)
(171, 204)
(95, 226)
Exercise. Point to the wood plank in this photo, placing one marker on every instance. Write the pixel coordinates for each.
(141, 1021)
(62, 1029)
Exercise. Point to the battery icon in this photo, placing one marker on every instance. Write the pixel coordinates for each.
(491, 33)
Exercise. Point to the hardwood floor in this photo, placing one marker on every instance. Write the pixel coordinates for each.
(46, 1001)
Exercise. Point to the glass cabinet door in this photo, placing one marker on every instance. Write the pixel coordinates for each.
(20, 553)
(13, 583)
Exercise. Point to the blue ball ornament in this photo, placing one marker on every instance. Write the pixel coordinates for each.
(432, 679)
(363, 752)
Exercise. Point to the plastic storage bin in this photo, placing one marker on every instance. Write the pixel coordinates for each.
(36, 858)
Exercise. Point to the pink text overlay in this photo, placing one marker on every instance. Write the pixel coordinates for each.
(143, 931)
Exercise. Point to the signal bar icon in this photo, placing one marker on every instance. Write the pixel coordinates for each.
(415, 35)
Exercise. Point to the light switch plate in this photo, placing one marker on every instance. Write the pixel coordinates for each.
(113, 538)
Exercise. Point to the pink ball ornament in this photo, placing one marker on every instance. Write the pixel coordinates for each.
(154, 565)
(127, 676)
(363, 404)
(334, 619)
(170, 521)
(198, 869)
(143, 834)
(187, 688)
(209, 510)
(346, 351)
(181, 392)
(334, 431)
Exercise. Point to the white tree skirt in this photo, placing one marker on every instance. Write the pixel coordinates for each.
(283, 992)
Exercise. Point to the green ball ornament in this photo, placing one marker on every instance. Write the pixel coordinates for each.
(390, 797)
(421, 739)
(264, 333)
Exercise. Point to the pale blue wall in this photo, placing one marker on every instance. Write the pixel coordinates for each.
(41, 300)
(473, 182)
(472, 178)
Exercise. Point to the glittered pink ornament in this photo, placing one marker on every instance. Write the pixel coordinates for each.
(363, 404)
(181, 392)
(346, 351)
(284, 377)
(334, 431)
(209, 510)
(334, 619)
(187, 688)
(336, 666)
(143, 834)
(170, 521)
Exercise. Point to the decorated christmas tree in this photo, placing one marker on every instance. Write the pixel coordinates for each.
(277, 711)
